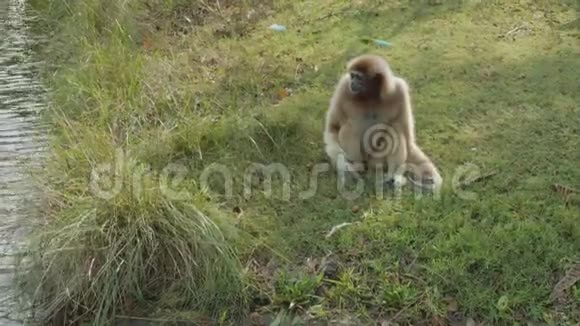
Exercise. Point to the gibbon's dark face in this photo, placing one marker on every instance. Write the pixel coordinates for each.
(364, 85)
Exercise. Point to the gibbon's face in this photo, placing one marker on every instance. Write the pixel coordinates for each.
(365, 85)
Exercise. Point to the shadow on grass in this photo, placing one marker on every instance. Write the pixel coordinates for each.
(525, 117)
(575, 24)
(422, 10)
(277, 134)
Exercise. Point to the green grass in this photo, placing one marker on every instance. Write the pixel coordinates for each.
(194, 84)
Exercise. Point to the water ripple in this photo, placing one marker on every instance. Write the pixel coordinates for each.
(21, 138)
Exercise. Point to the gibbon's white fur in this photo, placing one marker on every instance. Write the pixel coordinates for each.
(370, 123)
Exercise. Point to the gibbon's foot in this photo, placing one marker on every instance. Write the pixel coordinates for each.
(396, 181)
(348, 171)
(427, 183)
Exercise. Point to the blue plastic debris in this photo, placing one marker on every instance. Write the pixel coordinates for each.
(381, 43)
(278, 28)
(377, 42)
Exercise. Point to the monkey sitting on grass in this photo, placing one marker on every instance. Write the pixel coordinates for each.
(370, 123)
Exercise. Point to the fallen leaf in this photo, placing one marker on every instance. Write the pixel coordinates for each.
(563, 190)
(283, 93)
(312, 265)
(257, 319)
(147, 43)
(437, 321)
(502, 303)
(452, 305)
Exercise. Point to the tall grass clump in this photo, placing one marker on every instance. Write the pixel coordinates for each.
(96, 261)
(104, 250)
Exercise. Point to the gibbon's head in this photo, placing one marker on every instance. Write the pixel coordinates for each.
(370, 77)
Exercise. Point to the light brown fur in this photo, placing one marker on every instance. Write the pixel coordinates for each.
(347, 120)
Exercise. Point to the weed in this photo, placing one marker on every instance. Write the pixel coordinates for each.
(299, 292)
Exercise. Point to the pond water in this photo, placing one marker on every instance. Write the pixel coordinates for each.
(21, 98)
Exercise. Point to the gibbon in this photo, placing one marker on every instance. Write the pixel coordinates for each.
(370, 124)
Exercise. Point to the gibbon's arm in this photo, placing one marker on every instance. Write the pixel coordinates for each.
(335, 117)
(417, 160)
(414, 154)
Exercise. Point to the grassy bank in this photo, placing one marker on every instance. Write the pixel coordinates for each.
(149, 96)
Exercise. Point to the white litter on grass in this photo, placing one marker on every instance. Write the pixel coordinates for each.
(278, 28)
(338, 227)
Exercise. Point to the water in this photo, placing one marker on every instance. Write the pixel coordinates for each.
(21, 97)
